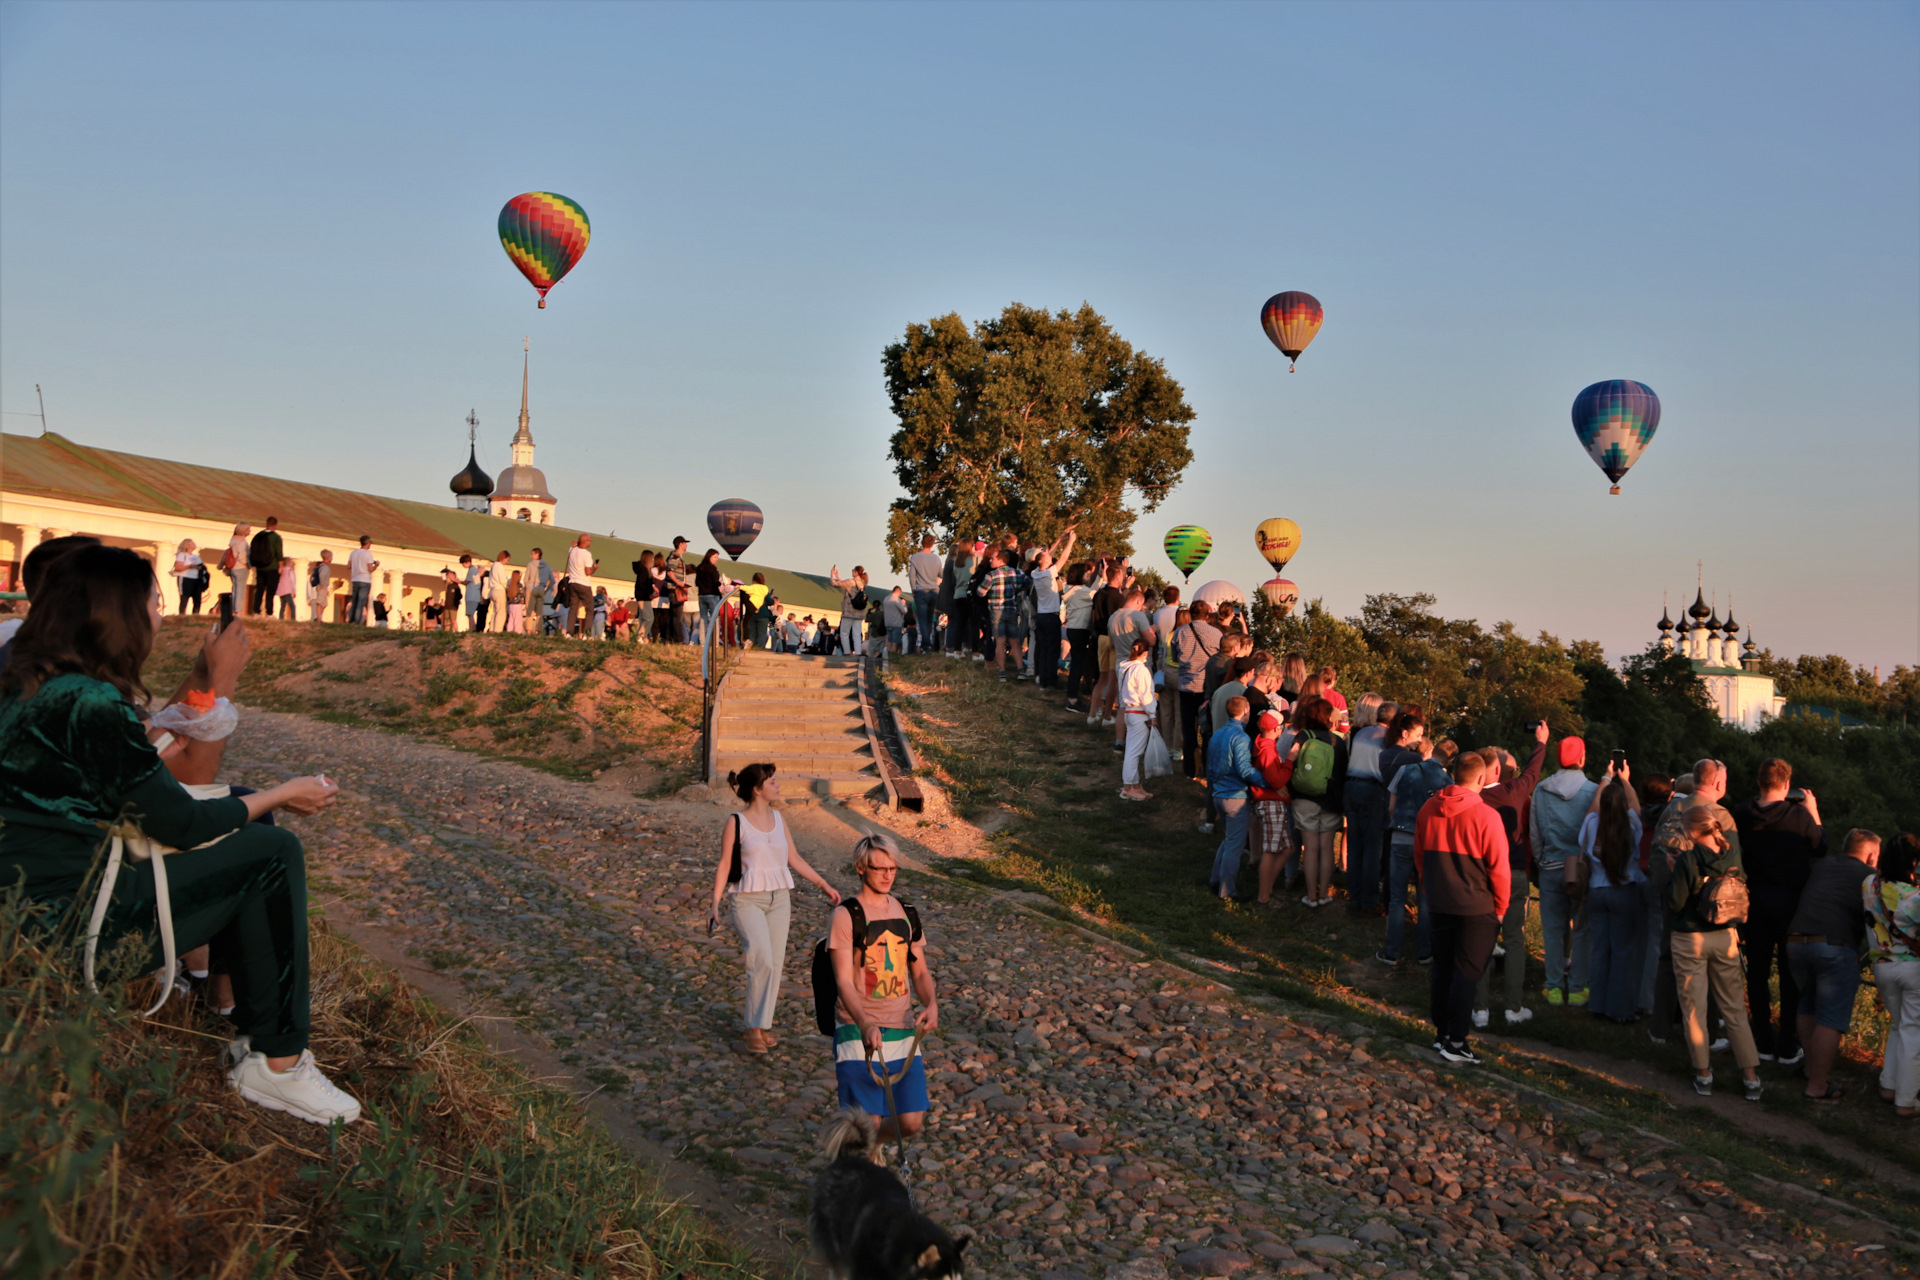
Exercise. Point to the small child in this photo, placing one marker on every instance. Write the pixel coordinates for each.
(285, 590)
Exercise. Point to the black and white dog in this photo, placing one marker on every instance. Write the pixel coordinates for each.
(864, 1224)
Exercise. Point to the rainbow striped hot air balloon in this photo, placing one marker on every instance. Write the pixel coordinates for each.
(1615, 420)
(544, 234)
(1187, 546)
(1291, 319)
(734, 524)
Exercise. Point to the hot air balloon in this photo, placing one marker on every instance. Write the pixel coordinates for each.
(734, 524)
(1219, 591)
(1187, 546)
(1291, 319)
(1278, 540)
(1615, 420)
(1281, 594)
(544, 234)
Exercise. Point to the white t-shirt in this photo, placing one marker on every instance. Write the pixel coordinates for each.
(1046, 592)
(360, 565)
(923, 570)
(579, 564)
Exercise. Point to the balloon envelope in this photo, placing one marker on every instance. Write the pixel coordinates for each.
(1278, 540)
(1187, 546)
(1291, 319)
(1220, 590)
(1615, 420)
(734, 524)
(1281, 594)
(544, 234)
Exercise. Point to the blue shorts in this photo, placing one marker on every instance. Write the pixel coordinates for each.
(1828, 977)
(1008, 624)
(858, 1089)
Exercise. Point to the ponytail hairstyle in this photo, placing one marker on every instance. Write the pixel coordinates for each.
(749, 780)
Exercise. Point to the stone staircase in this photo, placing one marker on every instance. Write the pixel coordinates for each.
(800, 712)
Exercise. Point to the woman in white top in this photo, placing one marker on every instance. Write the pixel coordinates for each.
(1135, 676)
(759, 879)
(237, 572)
(189, 574)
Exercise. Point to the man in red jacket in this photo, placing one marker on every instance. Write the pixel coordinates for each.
(1461, 860)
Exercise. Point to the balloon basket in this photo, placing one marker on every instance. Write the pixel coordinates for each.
(543, 304)
(1615, 491)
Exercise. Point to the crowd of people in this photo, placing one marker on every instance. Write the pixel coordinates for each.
(97, 772)
(1658, 904)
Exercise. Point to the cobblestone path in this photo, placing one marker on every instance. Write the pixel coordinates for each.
(1094, 1116)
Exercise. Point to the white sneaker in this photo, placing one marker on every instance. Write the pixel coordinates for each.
(1522, 1014)
(299, 1091)
(1718, 1046)
(1480, 1019)
(1499, 952)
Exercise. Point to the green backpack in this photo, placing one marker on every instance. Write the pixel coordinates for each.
(1312, 768)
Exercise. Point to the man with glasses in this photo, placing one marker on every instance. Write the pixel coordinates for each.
(877, 978)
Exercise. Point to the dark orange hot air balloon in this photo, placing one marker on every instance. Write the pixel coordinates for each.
(1291, 319)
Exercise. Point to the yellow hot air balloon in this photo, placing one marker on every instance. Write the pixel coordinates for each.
(1278, 540)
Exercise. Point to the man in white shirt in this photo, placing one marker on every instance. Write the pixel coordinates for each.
(360, 567)
(498, 579)
(923, 579)
(580, 566)
(1046, 610)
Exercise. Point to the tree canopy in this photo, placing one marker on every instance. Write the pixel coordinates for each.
(1026, 423)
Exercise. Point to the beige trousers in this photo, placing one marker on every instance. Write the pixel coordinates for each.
(1712, 960)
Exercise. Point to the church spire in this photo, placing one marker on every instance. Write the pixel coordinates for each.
(523, 435)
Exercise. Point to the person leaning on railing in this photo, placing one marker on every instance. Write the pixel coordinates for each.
(80, 770)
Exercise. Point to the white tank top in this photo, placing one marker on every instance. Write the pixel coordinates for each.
(763, 857)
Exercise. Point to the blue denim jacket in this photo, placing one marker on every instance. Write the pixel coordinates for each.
(1230, 761)
(1416, 783)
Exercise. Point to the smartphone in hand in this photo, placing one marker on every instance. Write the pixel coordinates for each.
(1619, 759)
(226, 610)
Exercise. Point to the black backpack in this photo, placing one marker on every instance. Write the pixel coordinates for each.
(826, 988)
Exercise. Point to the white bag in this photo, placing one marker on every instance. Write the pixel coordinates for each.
(1159, 760)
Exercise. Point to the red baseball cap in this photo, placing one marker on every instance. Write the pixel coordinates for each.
(1573, 752)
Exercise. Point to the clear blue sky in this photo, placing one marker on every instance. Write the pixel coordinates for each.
(263, 235)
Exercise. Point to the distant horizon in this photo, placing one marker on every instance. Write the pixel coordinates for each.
(214, 218)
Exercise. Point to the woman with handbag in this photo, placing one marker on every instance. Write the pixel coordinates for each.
(189, 574)
(757, 863)
(80, 761)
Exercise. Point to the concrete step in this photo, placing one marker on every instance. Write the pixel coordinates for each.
(768, 711)
(790, 764)
(761, 658)
(836, 784)
(817, 745)
(792, 680)
(762, 729)
(758, 693)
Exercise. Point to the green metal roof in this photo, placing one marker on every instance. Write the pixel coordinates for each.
(53, 466)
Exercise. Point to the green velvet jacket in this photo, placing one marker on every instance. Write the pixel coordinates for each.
(74, 758)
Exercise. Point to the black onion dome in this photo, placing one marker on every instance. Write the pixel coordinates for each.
(1666, 623)
(1698, 610)
(472, 481)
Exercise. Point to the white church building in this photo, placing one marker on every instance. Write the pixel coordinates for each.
(1743, 694)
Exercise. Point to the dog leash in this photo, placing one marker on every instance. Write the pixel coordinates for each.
(886, 1080)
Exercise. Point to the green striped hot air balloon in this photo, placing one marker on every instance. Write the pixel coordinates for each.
(1187, 546)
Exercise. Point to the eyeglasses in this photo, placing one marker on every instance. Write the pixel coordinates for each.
(882, 871)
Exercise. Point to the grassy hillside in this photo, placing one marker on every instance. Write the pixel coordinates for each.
(572, 707)
(123, 1153)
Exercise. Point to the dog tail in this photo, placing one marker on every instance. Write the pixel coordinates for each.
(850, 1133)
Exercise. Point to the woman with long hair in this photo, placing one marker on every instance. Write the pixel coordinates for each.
(853, 606)
(189, 574)
(1616, 900)
(79, 757)
(1135, 678)
(757, 863)
(235, 565)
(1316, 801)
(1293, 676)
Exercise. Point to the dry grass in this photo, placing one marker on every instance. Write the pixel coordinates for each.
(123, 1153)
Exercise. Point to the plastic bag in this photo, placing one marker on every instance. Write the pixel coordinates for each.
(1159, 760)
(211, 725)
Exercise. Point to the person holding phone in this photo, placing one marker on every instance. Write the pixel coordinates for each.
(72, 687)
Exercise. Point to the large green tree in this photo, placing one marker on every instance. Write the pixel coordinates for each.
(1026, 423)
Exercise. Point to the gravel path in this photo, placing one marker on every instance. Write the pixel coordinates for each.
(1095, 1116)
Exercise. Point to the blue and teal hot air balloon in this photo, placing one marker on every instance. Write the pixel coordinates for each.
(1615, 420)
